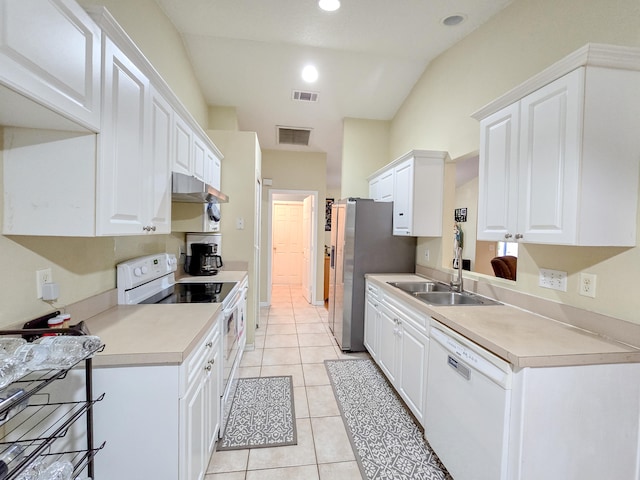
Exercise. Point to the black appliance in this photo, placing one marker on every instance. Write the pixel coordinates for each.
(204, 259)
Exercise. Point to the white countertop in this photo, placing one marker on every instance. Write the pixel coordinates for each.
(522, 338)
(157, 334)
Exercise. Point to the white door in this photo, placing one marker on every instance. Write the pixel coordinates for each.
(287, 244)
(307, 247)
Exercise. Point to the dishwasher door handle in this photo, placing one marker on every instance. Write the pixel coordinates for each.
(459, 367)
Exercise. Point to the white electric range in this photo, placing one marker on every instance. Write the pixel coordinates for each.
(151, 279)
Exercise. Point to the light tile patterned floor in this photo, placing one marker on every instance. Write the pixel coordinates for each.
(294, 339)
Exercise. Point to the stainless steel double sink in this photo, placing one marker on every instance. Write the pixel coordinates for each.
(436, 293)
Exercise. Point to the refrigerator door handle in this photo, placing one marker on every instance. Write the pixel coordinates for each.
(332, 257)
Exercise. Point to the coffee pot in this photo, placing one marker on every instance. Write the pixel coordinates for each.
(204, 259)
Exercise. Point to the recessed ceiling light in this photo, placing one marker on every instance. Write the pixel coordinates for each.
(329, 5)
(310, 74)
(453, 20)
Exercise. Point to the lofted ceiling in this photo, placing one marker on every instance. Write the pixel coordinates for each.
(249, 54)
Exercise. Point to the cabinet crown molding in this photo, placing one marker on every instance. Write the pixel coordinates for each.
(434, 154)
(590, 55)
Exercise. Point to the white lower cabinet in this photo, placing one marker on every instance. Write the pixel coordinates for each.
(160, 421)
(564, 422)
(402, 350)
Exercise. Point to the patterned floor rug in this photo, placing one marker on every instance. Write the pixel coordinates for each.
(386, 440)
(262, 415)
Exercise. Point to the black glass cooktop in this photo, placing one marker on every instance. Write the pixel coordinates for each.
(193, 293)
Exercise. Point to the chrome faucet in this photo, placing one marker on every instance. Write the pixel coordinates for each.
(456, 283)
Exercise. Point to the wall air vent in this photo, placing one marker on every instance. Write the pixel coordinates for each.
(302, 96)
(293, 135)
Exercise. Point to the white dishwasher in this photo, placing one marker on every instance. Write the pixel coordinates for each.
(468, 406)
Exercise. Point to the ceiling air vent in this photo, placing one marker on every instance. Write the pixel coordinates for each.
(293, 136)
(302, 96)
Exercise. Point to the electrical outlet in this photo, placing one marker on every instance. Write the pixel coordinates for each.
(588, 285)
(426, 254)
(553, 279)
(42, 277)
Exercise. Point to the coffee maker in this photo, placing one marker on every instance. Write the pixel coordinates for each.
(203, 254)
(204, 259)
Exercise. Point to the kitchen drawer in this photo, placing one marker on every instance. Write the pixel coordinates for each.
(419, 320)
(195, 364)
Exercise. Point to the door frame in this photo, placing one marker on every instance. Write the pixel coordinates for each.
(296, 196)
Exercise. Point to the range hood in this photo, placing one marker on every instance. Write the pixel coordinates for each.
(188, 189)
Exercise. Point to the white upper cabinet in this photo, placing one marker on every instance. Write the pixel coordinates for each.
(123, 146)
(158, 183)
(66, 180)
(50, 54)
(414, 183)
(381, 186)
(559, 155)
(212, 170)
(182, 146)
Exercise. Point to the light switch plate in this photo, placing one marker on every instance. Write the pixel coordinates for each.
(553, 279)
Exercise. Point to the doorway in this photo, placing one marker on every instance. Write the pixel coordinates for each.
(292, 241)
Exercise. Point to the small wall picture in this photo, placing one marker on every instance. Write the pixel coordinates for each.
(327, 215)
(460, 215)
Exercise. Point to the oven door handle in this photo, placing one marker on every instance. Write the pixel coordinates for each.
(236, 301)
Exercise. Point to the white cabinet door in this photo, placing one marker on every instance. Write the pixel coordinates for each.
(212, 169)
(412, 377)
(388, 353)
(199, 155)
(374, 188)
(402, 198)
(50, 52)
(498, 188)
(212, 398)
(371, 320)
(386, 189)
(550, 132)
(158, 178)
(182, 140)
(121, 194)
(193, 444)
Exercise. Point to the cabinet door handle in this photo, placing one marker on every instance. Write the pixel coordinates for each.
(519, 236)
(212, 361)
(210, 344)
(401, 214)
(153, 228)
(507, 235)
(208, 368)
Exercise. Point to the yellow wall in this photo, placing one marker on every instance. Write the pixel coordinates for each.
(526, 37)
(365, 149)
(306, 171)
(154, 34)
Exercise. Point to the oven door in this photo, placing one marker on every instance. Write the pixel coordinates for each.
(232, 354)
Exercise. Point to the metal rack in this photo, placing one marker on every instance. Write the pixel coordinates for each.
(43, 427)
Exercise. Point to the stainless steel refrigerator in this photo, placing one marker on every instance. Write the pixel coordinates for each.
(361, 242)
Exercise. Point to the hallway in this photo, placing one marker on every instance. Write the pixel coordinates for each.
(294, 339)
